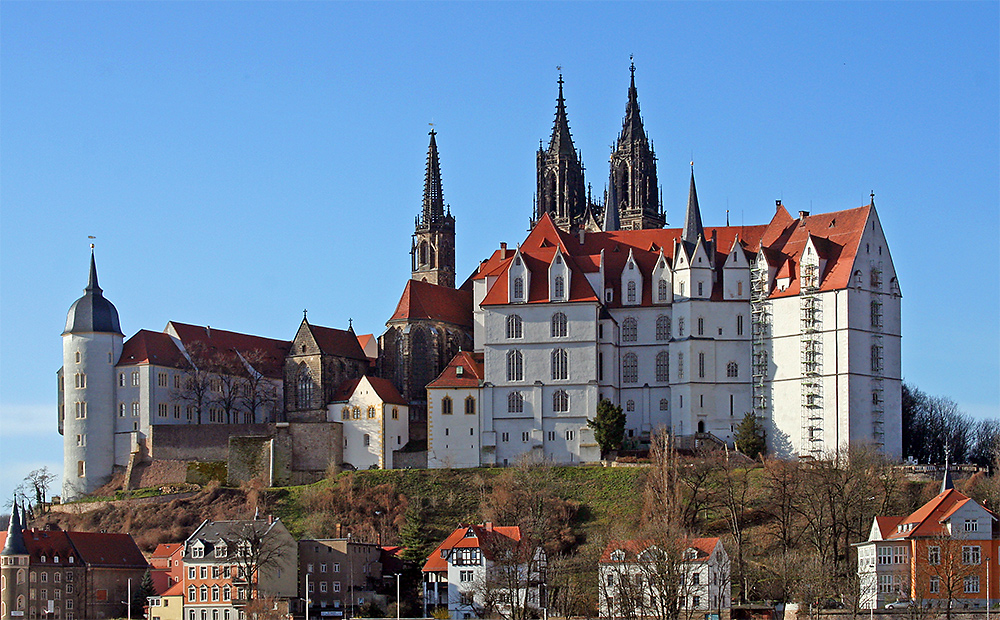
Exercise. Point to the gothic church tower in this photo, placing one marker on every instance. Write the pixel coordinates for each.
(632, 188)
(433, 249)
(560, 191)
(92, 344)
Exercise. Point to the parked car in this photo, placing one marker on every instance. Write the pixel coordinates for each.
(904, 604)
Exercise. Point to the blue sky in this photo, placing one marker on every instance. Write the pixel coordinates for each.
(239, 162)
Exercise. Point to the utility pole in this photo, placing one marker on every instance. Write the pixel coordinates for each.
(307, 596)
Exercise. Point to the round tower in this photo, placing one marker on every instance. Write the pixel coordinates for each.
(92, 345)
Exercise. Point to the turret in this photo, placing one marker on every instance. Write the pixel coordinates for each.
(92, 345)
(14, 569)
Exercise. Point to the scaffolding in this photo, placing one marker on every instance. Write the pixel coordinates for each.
(758, 337)
(811, 347)
(877, 365)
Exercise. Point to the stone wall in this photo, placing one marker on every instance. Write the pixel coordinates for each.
(198, 442)
(291, 453)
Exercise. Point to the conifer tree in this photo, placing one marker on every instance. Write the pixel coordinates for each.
(609, 426)
(750, 436)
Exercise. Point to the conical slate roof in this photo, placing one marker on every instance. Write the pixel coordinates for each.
(92, 312)
(561, 141)
(433, 194)
(15, 535)
(692, 218)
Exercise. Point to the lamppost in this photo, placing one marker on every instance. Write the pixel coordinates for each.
(399, 601)
(307, 596)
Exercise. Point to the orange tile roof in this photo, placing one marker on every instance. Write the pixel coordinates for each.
(218, 340)
(148, 347)
(458, 540)
(422, 300)
(339, 342)
(633, 548)
(175, 590)
(929, 519)
(165, 550)
(383, 387)
(472, 372)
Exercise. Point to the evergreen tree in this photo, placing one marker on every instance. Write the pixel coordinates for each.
(750, 437)
(140, 594)
(609, 426)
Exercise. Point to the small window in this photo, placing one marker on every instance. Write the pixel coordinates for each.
(525, 436)
(81, 471)
(631, 290)
(558, 325)
(519, 289)
(680, 327)
(395, 413)
(732, 370)
(135, 378)
(559, 288)
(371, 412)
(662, 291)
(701, 326)
(701, 290)
(446, 405)
(629, 330)
(630, 405)
(739, 325)
(368, 440)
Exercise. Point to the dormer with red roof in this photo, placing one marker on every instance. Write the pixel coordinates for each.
(631, 282)
(519, 279)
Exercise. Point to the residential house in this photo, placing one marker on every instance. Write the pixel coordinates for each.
(166, 566)
(167, 606)
(338, 575)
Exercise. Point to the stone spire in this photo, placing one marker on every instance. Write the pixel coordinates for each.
(632, 187)
(433, 195)
(611, 221)
(692, 218)
(15, 535)
(560, 189)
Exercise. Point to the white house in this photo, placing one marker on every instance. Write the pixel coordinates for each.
(454, 433)
(639, 577)
(375, 418)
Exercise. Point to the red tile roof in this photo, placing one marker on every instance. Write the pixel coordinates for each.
(472, 372)
(339, 342)
(383, 387)
(458, 540)
(633, 548)
(148, 347)
(218, 340)
(175, 590)
(928, 520)
(422, 300)
(104, 549)
(166, 550)
(367, 341)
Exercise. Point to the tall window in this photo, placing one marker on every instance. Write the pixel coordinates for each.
(934, 554)
(663, 327)
(732, 370)
(876, 314)
(470, 405)
(515, 366)
(559, 364)
(304, 389)
(515, 402)
(680, 365)
(629, 330)
(446, 405)
(876, 358)
(680, 327)
(630, 368)
(519, 289)
(558, 325)
(371, 411)
(560, 401)
(662, 366)
(739, 325)
(514, 326)
(664, 404)
(701, 365)
(662, 291)
(631, 291)
(559, 288)
(701, 326)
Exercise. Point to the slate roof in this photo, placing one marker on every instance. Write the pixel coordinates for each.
(472, 372)
(383, 387)
(633, 548)
(149, 347)
(211, 532)
(92, 312)
(423, 300)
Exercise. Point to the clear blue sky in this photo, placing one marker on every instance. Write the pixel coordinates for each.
(239, 162)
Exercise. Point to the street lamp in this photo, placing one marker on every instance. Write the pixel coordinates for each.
(307, 596)
(399, 601)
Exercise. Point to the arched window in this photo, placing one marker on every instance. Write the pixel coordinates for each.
(631, 291)
(192, 594)
(515, 402)
(423, 253)
(215, 592)
(519, 288)
(558, 325)
(227, 592)
(470, 405)
(662, 291)
(446, 405)
(514, 326)
(304, 389)
(680, 327)
(664, 404)
(356, 413)
(515, 366)
(630, 368)
(345, 413)
(662, 366)
(560, 401)
(629, 330)
(630, 405)
(559, 364)
(663, 327)
(701, 426)
(204, 593)
(558, 288)
(732, 370)
(371, 411)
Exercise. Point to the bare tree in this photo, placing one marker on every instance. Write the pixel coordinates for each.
(737, 490)
(197, 382)
(258, 549)
(259, 394)
(39, 481)
(949, 563)
(511, 587)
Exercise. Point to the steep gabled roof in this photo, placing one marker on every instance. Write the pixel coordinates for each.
(423, 300)
(166, 550)
(458, 539)
(339, 342)
(149, 347)
(108, 550)
(928, 520)
(471, 373)
(385, 390)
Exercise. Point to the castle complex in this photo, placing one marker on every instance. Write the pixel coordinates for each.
(796, 320)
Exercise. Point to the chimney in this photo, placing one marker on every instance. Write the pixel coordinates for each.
(582, 233)
(270, 519)
(503, 250)
(777, 204)
(489, 526)
(803, 215)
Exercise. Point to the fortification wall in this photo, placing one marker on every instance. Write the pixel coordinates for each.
(198, 442)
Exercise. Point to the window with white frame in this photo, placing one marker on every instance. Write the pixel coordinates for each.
(558, 325)
(680, 364)
(630, 368)
(515, 402)
(663, 366)
(935, 584)
(515, 366)
(933, 554)
(971, 554)
(662, 291)
(559, 288)
(630, 294)
(514, 328)
(560, 401)
(518, 289)
(732, 370)
(972, 525)
(972, 584)
(629, 330)
(560, 365)
(663, 327)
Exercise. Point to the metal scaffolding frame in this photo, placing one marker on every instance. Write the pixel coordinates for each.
(878, 389)
(811, 347)
(759, 318)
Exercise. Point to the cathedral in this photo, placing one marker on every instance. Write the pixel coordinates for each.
(796, 320)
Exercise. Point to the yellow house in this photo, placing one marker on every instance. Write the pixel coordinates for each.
(169, 605)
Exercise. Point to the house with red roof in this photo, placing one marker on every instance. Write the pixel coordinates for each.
(454, 433)
(375, 420)
(481, 569)
(166, 565)
(638, 578)
(937, 556)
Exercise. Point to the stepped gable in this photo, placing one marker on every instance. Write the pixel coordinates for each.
(633, 548)
(837, 236)
(472, 372)
(339, 342)
(423, 300)
(386, 391)
(274, 351)
(104, 549)
(149, 347)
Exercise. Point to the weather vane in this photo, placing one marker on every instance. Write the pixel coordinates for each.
(91, 243)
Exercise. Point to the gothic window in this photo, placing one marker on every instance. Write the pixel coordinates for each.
(876, 358)
(446, 405)
(515, 366)
(519, 289)
(663, 327)
(514, 326)
(664, 404)
(732, 370)
(559, 289)
(629, 330)
(661, 291)
(558, 325)
(345, 413)
(701, 326)
(423, 253)
(630, 368)
(470, 405)
(515, 402)
(371, 411)
(559, 364)
(304, 389)
(662, 366)
(680, 327)
(701, 365)
(701, 289)
(630, 405)
(356, 413)
(560, 401)
(631, 291)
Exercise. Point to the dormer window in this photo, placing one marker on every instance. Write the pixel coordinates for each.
(559, 288)
(559, 259)
(617, 555)
(631, 291)
(221, 551)
(519, 289)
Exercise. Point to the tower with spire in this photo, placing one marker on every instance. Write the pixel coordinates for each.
(632, 187)
(561, 190)
(14, 560)
(92, 345)
(433, 248)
